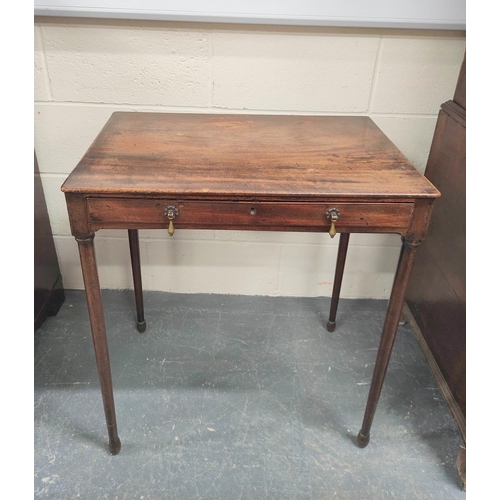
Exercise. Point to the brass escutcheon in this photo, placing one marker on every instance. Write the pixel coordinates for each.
(332, 215)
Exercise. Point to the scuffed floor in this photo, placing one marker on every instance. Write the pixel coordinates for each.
(232, 397)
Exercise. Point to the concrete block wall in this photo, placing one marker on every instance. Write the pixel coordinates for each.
(86, 69)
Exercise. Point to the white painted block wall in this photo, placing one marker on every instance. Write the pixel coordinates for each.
(86, 69)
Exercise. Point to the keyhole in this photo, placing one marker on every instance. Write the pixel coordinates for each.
(253, 211)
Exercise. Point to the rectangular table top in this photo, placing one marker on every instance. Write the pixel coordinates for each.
(252, 156)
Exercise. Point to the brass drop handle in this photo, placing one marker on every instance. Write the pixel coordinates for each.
(332, 215)
(171, 213)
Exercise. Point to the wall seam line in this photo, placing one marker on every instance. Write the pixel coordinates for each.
(150, 240)
(211, 66)
(278, 271)
(45, 64)
(208, 110)
(376, 70)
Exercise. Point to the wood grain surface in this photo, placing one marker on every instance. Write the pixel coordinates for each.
(149, 212)
(258, 156)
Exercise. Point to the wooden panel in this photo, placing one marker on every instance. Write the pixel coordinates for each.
(260, 157)
(459, 96)
(440, 314)
(359, 217)
(446, 236)
(49, 293)
(436, 294)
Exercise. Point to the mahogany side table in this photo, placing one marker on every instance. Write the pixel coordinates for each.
(245, 172)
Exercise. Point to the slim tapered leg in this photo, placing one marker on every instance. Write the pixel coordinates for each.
(389, 331)
(339, 274)
(135, 257)
(96, 314)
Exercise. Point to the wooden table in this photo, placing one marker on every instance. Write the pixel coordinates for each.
(245, 172)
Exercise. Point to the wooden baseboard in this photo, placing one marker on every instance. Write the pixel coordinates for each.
(448, 396)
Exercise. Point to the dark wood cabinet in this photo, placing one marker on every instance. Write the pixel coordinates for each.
(435, 297)
(49, 292)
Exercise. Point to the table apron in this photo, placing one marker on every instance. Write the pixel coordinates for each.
(149, 213)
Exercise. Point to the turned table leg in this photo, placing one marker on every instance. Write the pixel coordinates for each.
(389, 331)
(135, 257)
(339, 273)
(96, 314)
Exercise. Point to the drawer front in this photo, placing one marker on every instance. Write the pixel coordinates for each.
(150, 213)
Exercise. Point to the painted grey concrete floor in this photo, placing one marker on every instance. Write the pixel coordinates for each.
(235, 397)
